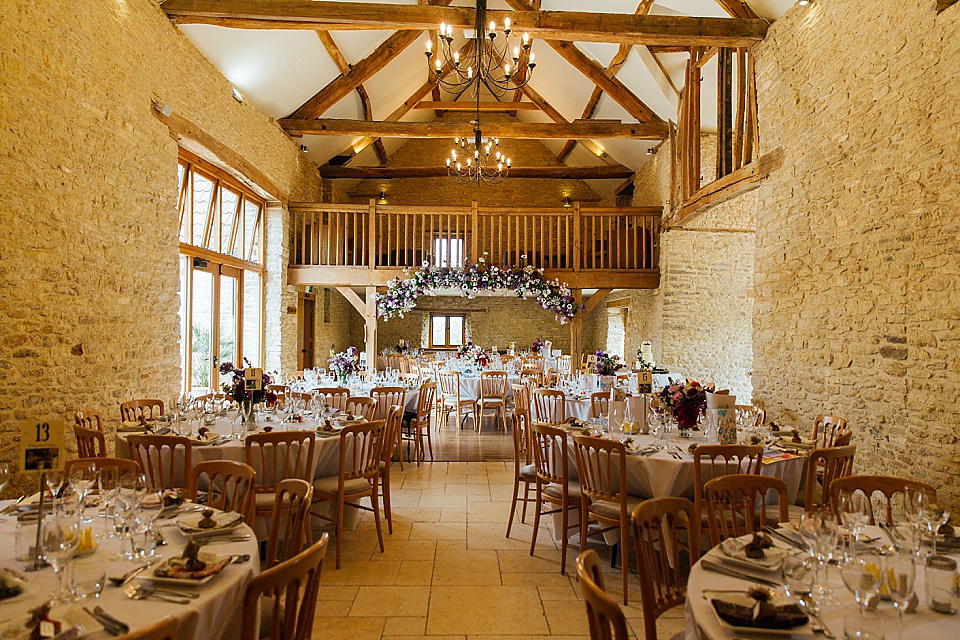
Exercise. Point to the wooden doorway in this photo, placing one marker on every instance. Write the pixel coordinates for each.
(306, 325)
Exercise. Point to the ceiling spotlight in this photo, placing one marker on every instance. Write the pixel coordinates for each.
(237, 95)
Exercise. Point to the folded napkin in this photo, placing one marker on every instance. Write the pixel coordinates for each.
(742, 614)
(128, 427)
(225, 520)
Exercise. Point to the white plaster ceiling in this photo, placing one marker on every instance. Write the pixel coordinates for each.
(278, 70)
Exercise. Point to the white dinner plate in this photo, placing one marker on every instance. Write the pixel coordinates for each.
(731, 551)
(805, 630)
(184, 582)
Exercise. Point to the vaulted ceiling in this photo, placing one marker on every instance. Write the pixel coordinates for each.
(278, 70)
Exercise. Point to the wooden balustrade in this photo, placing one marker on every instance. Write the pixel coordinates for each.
(353, 239)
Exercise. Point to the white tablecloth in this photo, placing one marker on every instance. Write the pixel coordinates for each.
(215, 614)
(702, 623)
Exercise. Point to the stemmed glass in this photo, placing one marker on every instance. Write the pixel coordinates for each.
(798, 573)
(59, 540)
(149, 512)
(233, 412)
(82, 477)
(900, 574)
(4, 479)
(915, 501)
(55, 481)
(855, 513)
(131, 489)
(935, 515)
(863, 583)
(820, 528)
(282, 410)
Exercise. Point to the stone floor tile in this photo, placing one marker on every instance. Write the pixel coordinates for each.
(407, 550)
(361, 572)
(405, 626)
(491, 610)
(567, 618)
(453, 514)
(466, 568)
(335, 592)
(393, 601)
(439, 531)
(347, 628)
(415, 572)
(434, 499)
(488, 512)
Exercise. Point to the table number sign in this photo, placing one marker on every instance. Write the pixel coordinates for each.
(644, 381)
(41, 445)
(253, 379)
(726, 426)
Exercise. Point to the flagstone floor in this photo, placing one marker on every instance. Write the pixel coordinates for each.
(449, 571)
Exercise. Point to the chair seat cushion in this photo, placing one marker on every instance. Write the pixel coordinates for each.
(329, 485)
(528, 471)
(556, 491)
(611, 510)
(264, 501)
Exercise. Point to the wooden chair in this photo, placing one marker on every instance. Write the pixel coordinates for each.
(419, 427)
(157, 456)
(289, 520)
(549, 406)
(356, 477)
(274, 457)
(91, 443)
(89, 420)
(146, 408)
(823, 467)
(716, 460)
(451, 401)
(391, 436)
(534, 363)
(604, 616)
(122, 465)
(737, 503)
(293, 376)
(165, 628)
(825, 430)
(553, 483)
(521, 404)
(602, 467)
(229, 486)
(761, 417)
(386, 397)
(564, 366)
(656, 525)
(524, 469)
(844, 436)
(599, 404)
(279, 389)
(285, 597)
(886, 486)
(532, 379)
(362, 407)
(493, 395)
(395, 361)
(336, 397)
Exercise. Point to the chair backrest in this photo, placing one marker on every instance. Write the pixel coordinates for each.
(737, 502)
(147, 408)
(91, 443)
(393, 425)
(656, 523)
(887, 486)
(533, 363)
(550, 453)
(279, 388)
(761, 417)
(163, 629)
(291, 513)
(602, 468)
(428, 393)
(336, 397)
(715, 460)
(293, 376)
(158, 457)
(395, 361)
(122, 465)
(449, 384)
(549, 406)
(493, 384)
(833, 463)
(825, 430)
(521, 402)
(360, 450)
(599, 404)
(278, 455)
(89, 419)
(290, 590)
(386, 397)
(533, 379)
(604, 616)
(522, 452)
(229, 486)
(844, 436)
(362, 406)
(564, 364)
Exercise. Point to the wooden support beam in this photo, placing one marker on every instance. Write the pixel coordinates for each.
(354, 299)
(594, 301)
(576, 329)
(730, 186)
(370, 318)
(509, 130)
(556, 25)
(738, 9)
(557, 117)
(602, 172)
(706, 57)
(484, 106)
(724, 162)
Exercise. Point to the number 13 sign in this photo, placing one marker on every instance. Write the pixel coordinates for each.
(41, 445)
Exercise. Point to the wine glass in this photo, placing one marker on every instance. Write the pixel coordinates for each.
(151, 504)
(82, 477)
(915, 500)
(798, 572)
(233, 412)
(282, 409)
(855, 512)
(108, 484)
(862, 581)
(4, 479)
(131, 489)
(935, 515)
(900, 574)
(59, 540)
(820, 528)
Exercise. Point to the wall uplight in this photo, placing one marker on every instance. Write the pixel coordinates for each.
(566, 202)
(382, 198)
(237, 95)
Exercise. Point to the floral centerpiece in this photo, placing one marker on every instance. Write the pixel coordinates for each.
(642, 363)
(402, 346)
(687, 401)
(536, 347)
(246, 398)
(525, 281)
(607, 365)
(344, 364)
(474, 354)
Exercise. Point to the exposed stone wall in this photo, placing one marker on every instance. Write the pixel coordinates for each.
(858, 244)
(335, 316)
(89, 265)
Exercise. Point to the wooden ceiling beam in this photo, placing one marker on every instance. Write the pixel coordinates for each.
(554, 25)
(602, 172)
(557, 117)
(484, 106)
(509, 130)
(738, 9)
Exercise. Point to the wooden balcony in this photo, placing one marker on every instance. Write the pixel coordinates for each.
(368, 245)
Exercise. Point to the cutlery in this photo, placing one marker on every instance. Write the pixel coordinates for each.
(173, 593)
(10, 508)
(240, 559)
(733, 573)
(785, 538)
(110, 624)
(136, 592)
(225, 539)
(129, 575)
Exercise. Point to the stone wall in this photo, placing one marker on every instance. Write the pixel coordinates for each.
(89, 312)
(334, 319)
(858, 244)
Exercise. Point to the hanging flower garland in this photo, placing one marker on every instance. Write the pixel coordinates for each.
(526, 282)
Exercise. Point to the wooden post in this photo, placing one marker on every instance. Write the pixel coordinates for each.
(724, 112)
(577, 242)
(372, 234)
(371, 323)
(576, 330)
(474, 232)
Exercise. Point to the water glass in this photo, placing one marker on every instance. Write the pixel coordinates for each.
(899, 577)
(59, 540)
(855, 512)
(89, 577)
(798, 573)
(820, 529)
(108, 484)
(935, 515)
(941, 575)
(867, 625)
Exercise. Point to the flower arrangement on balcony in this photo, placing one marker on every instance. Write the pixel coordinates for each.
(474, 354)
(606, 365)
(687, 401)
(525, 281)
(344, 364)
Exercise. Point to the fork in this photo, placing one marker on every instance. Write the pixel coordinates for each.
(136, 592)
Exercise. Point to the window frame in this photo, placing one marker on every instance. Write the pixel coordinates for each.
(446, 333)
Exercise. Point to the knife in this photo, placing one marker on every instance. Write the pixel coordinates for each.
(716, 568)
(786, 538)
(112, 626)
(133, 574)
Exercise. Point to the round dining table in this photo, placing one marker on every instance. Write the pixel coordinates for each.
(702, 623)
(215, 613)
